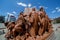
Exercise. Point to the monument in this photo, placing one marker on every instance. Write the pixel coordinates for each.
(34, 26)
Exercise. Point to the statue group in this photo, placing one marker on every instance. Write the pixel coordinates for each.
(32, 24)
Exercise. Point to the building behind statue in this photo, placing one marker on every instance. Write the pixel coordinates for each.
(2, 19)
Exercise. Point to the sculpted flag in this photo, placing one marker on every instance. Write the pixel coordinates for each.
(30, 25)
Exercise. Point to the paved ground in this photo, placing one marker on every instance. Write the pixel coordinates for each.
(2, 25)
(57, 32)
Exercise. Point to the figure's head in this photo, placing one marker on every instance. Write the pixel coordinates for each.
(33, 9)
(9, 24)
(41, 9)
(21, 14)
(42, 14)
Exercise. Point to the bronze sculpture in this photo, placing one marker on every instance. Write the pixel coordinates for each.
(36, 23)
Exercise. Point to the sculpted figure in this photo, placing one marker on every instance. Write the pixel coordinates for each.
(10, 27)
(34, 26)
(49, 23)
(42, 21)
(19, 28)
(29, 27)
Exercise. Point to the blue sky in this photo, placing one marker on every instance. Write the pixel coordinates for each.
(52, 7)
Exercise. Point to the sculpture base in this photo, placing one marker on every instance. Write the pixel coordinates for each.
(47, 36)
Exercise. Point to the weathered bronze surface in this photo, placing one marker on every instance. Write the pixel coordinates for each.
(35, 26)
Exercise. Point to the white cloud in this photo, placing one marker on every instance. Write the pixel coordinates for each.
(22, 4)
(14, 12)
(58, 10)
(46, 7)
(29, 5)
(40, 6)
(9, 13)
(53, 11)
